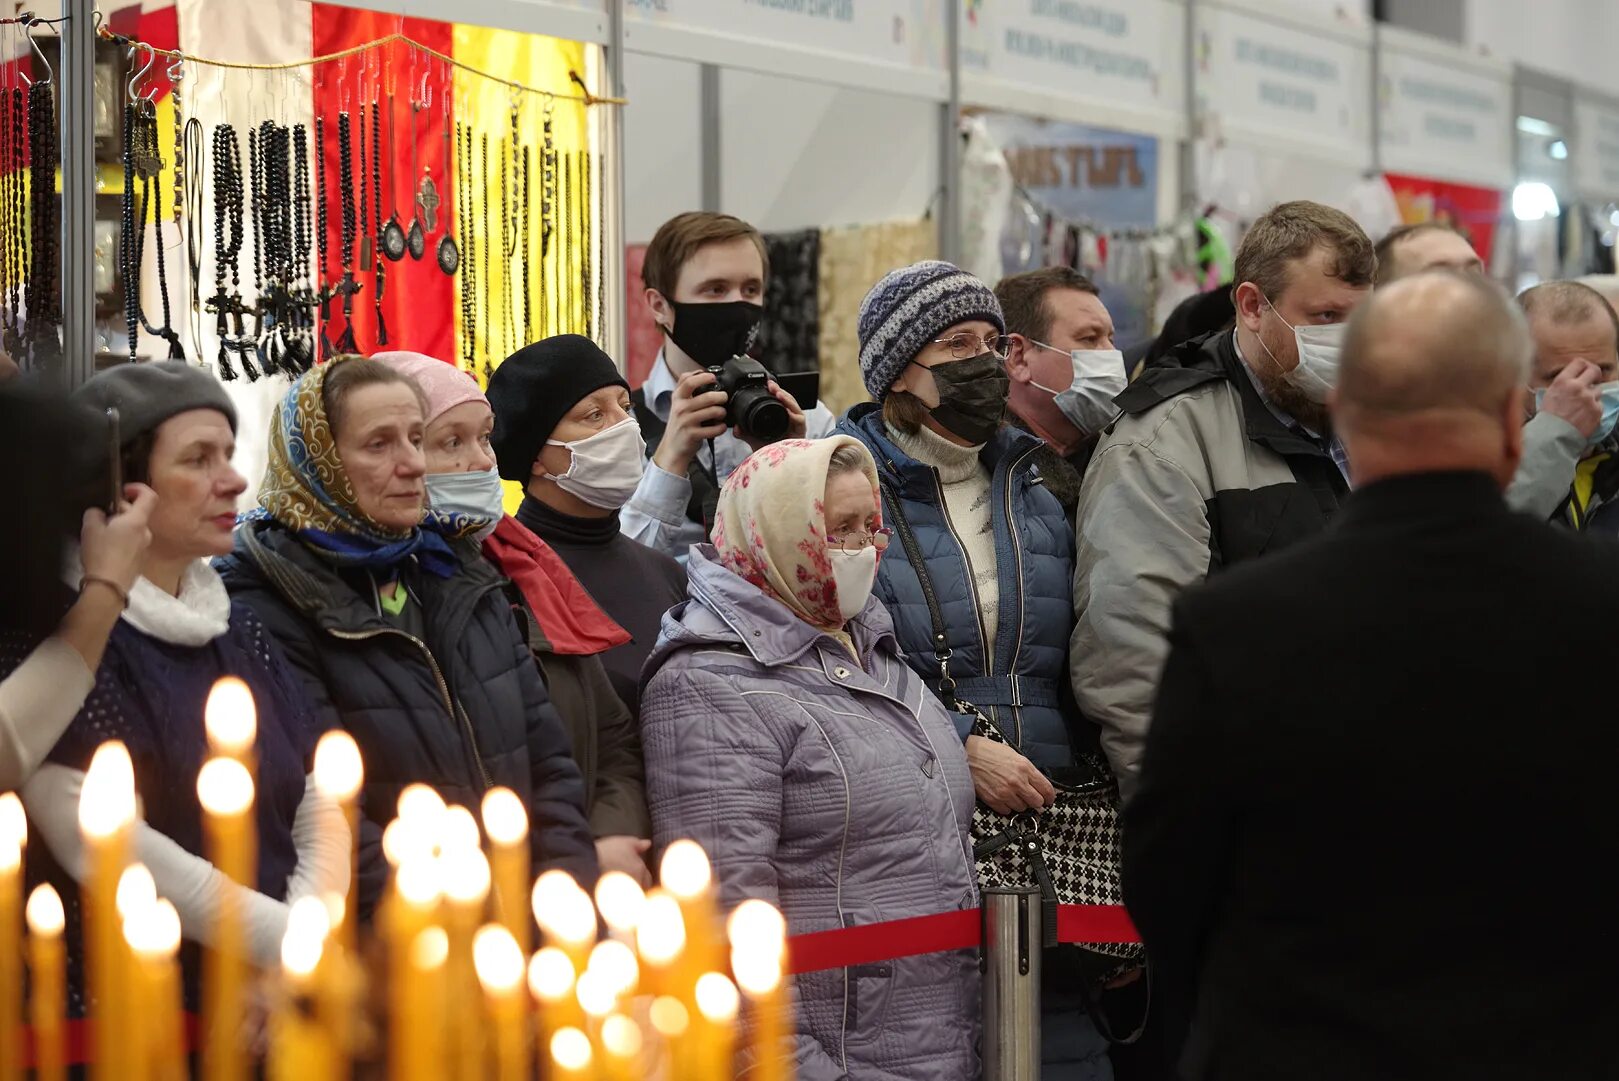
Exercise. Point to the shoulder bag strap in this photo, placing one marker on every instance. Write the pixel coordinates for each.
(913, 552)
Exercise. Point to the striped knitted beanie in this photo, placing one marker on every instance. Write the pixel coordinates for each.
(911, 307)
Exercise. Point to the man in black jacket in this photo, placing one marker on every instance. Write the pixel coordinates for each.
(1373, 833)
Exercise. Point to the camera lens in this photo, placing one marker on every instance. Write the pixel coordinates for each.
(758, 413)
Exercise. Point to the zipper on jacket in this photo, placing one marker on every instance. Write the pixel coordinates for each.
(1017, 556)
(455, 711)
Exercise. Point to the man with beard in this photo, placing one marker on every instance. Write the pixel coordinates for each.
(1223, 453)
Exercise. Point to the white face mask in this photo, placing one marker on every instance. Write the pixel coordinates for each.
(477, 494)
(607, 467)
(1098, 378)
(1319, 348)
(855, 573)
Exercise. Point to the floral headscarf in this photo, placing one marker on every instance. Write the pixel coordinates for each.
(306, 490)
(770, 525)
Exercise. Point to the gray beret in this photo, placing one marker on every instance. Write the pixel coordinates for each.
(148, 394)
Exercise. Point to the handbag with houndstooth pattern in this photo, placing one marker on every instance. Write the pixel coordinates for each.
(1070, 850)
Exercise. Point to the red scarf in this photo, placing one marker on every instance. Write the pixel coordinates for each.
(571, 619)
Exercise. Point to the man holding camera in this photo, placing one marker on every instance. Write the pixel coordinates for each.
(705, 406)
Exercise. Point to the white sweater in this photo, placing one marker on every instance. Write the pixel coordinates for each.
(967, 506)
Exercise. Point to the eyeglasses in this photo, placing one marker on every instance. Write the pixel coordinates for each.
(964, 346)
(859, 542)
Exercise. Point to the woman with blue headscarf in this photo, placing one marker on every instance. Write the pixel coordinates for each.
(402, 632)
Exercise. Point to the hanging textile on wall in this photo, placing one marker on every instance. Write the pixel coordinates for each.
(853, 259)
(789, 334)
(1472, 212)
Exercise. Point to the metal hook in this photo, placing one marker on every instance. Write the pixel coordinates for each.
(29, 21)
(176, 70)
(135, 76)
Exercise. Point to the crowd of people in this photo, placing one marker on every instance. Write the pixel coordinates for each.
(815, 644)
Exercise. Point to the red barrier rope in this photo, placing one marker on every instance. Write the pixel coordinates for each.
(958, 930)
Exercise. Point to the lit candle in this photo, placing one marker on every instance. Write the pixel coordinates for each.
(621, 1049)
(426, 1007)
(621, 901)
(685, 873)
(570, 1056)
(225, 790)
(466, 888)
(717, 1004)
(152, 930)
(566, 917)
(505, 820)
(409, 912)
(550, 981)
(661, 938)
(339, 774)
(499, 964)
(10, 954)
(758, 955)
(106, 816)
(300, 1048)
(47, 964)
(232, 721)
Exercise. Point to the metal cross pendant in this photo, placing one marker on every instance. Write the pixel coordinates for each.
(346, 289)
(427, 198)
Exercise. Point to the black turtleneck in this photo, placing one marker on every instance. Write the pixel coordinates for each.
(633, 583)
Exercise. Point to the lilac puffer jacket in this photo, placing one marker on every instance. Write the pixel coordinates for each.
(839, 792)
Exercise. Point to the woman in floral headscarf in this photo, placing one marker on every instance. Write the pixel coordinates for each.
(400, 629)
(784, 732)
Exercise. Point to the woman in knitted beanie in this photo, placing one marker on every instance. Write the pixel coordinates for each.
(997, 552)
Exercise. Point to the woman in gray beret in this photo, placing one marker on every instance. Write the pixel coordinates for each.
(178, 635)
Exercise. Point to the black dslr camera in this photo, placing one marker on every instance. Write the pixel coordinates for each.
(749, 405)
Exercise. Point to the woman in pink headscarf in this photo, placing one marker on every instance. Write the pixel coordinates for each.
(785, 733)
(566, 629)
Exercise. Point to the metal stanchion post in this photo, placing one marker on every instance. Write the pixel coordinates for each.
(1012, 942)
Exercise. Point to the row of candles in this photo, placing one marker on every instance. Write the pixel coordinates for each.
(451, 963)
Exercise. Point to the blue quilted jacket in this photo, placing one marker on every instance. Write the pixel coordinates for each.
(1034, 546)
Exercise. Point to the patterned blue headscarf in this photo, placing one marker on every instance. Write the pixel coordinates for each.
(306, 490)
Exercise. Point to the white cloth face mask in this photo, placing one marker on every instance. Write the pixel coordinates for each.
(1319, 356)
(855, 573)
(476, 494)
(1098, 379)
(606, 467)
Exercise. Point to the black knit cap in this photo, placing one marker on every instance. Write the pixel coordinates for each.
(532, 391)
(147, 394)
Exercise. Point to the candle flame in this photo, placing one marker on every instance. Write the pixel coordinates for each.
(107, 799)
(418, 882)
(504, 818)
(621, 901)
(458, 831)
(339, 772)
(621, 1037)
(717, 998)
(466, 873)
(662, 932)
(13, 820)
(685, 871)
(615, 964)
(224, 787)
(165, 927)
(497, 960)
(570, 1048)
(550, 975)
(563, 910)
(137, 891)
(429, 949)
(305, 938)
(669, 1017)
(595, 994)
(45, 916)
(231, 718)
(758, 936)
(420, 806)
(10, 855)
(757, 974)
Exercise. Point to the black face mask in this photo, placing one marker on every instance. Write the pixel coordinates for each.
(972, 397)
(712, 334)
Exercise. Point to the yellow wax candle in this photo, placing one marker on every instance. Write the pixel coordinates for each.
(339, 775)
(164, 949)
(466, 874)
(300, 1045)
(106, 815)
(10, 958)
(137, 896)
(225, 790)
(686, 875)
(409, 911)
(758, 956)
(717, 1005)
(565, 915)
(621, 902)
(661, 939)
(47, 966)
(621, 1045)
(550, 982)
(571, 1056)
(505, 820)
(499, 963)
(425, 1002)
(232, 721)
(152, 931)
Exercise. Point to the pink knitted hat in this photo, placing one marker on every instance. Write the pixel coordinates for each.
(445, 385)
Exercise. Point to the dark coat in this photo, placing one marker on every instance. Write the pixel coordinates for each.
(1034, 551)
(1373, 836)
(462, 710)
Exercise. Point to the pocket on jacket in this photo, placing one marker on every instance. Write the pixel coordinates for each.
(1246, 523)
(865, 1009)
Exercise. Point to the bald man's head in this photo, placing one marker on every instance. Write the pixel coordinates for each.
(1432, 378)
